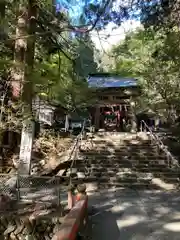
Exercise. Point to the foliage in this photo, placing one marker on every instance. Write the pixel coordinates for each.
(96, 14)
(61, 62)
(153, 58)
(84, 63)
(158, 13)
(61, 81)
(64, 54)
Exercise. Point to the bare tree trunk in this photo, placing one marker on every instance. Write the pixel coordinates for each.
(22, 84)
(2, 18)
(27, 92)
(17, 72)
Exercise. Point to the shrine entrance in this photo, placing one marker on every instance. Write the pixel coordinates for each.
(112, 117)
(115, 117)
(116, 100)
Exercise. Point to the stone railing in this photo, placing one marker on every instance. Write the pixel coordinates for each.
(171, 161)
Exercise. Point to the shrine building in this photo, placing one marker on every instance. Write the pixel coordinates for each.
(114, 95)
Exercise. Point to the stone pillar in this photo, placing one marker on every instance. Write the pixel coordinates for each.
(133, 117)
(67, 123)
(156, 123)
(97, 117)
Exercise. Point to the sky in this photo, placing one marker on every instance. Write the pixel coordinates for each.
(115, 35)
(75, 9)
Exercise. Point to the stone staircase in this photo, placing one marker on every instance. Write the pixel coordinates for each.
(124, 160)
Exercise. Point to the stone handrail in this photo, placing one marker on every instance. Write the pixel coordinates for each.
(171, 160)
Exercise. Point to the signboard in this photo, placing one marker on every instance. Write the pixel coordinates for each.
(44, 111)
(46, 117)
(26, 147)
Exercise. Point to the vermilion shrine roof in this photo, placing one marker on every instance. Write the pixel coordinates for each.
(110, 81)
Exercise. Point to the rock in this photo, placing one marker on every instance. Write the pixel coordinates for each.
(41, 227)
(5, 201)
(11, 227)
(42, 162)
(160, 183)
(56, 228)
(47, 237)
(51, 235)
(74, 170)
(49, 229)
(80, 175)
(13, 236)
(30, 237)
(34, 170)
(61, 172)
(11, 183)
(19, 229)
(3, 221)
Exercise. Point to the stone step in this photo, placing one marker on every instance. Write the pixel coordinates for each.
(109, 174)
(127, 174)
(121, 171)
(124, 179)
(110, 161)
(120, 156)
(121, 168)
(132, 142)
(169, 180)
(120, 151)
(121, 147)
(126, 155)
(165, 172)
(146, 184)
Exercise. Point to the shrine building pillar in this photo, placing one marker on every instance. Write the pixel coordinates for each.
(97, 117)
(133, 117)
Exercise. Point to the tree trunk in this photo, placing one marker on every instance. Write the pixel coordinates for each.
(27, 92)
(19, 54)
(2, 18)
(21, 75)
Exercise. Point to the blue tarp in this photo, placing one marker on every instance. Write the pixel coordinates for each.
(110, 82)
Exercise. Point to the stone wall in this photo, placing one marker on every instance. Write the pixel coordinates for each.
(41, 223)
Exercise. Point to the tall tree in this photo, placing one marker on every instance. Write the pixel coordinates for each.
(85, 62)
(163, 13)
